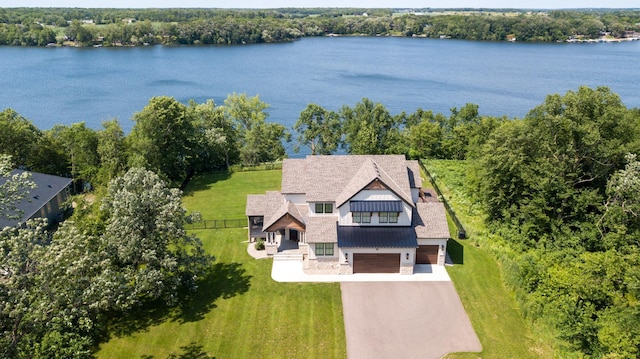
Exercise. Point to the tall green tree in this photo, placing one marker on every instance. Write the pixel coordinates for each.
(551, 169)
(162, 139)
(18, 137)
(80, 144)
(319, 129)
(258, 141)
(112, 151)
(215, 135)
(369, 128)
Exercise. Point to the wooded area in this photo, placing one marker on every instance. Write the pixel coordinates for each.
(132, 27)
(559, 189)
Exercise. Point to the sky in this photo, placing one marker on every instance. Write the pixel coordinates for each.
(517, 4)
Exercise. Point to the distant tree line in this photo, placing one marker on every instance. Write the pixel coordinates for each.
(122, 27)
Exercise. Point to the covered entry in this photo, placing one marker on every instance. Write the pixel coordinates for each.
(427, 254)
(376, 263)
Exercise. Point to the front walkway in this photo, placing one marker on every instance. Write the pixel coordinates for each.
(291, 271)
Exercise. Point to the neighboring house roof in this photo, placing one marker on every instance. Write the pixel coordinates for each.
(430, 220)
(378, 237)
(47, 187)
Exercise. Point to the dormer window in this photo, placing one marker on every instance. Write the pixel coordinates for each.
(324, 207)
(388, 217)
(361, 217)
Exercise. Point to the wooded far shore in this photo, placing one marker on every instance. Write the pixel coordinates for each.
(83, 27)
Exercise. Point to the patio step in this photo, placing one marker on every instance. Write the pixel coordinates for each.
(287, 257)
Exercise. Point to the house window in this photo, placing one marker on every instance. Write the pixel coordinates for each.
(324, 249)
(388, 217)
(324, 207)
(361, 217)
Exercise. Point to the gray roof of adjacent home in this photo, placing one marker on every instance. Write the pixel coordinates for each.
(378, 237)
(430, 220)
(47, 188)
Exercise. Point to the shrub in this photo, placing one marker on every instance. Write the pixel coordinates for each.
(259, 244)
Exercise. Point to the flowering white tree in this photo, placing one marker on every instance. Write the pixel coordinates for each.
(13, 188)
(146, 241)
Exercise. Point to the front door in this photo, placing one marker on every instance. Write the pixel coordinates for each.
(293, 235)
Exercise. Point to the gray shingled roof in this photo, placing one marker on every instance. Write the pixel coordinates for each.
(255, 205)
(286, 208)
(415, 180)
(322, 229)
(324, 178)
(376, 237)
(293, 175)
(430, 220)
(47, 187)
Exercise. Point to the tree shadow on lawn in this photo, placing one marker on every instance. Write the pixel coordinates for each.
(203, 182)
(456, 251)
(191, 351)
(223, 280)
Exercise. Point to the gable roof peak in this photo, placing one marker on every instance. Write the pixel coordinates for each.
(369, 172)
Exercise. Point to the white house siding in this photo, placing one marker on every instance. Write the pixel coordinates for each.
(415, 195)
(404, 219)
(296, 199)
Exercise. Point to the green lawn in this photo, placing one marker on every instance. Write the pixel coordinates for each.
(223, 195)
(240, 312)
(478, 279)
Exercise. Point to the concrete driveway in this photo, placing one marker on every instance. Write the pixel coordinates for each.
(405, 320)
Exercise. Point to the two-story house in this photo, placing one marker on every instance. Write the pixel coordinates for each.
(352, 214)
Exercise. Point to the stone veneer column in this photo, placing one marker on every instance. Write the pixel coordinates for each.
(406, 268)
(346, 268)
(271, 248)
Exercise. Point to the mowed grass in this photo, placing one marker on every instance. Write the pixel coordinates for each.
(477, 276)
(239, 311)
(223, 195)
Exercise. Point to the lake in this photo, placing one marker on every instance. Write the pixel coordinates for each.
(66, 85)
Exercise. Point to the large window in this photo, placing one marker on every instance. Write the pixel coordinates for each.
(324, 207)
(388, 217)
(361, 217)
(324, 249)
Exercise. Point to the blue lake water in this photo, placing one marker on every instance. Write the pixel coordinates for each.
(66, 85)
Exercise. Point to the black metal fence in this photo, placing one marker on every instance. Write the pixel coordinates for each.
(218, 224)
(462, 233)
